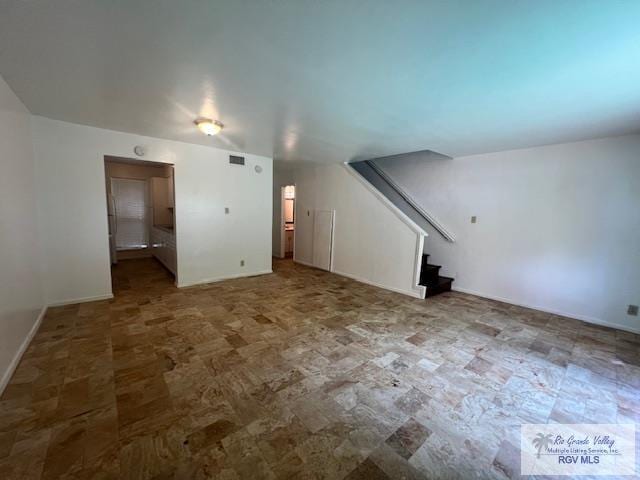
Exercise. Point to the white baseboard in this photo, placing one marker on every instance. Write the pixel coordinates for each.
(306, 264)
(411, 293)
(583, 318)
(82, 300)
(220, 279)
(23, 348)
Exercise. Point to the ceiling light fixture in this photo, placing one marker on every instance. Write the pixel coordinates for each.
(208, 126)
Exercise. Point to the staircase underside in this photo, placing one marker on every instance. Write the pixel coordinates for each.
(429, 274)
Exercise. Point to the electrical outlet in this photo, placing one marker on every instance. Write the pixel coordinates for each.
(632, 310)
(226, 210)
(242, 263)
(473, 219)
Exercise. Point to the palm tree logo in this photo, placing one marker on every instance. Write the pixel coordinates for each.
(541, 441)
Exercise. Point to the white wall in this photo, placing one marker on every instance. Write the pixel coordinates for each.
(21, 298)
(372, 243)
(282, 176)
(558, 226)
(73, 216)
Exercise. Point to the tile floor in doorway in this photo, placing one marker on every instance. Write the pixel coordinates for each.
(300, 374)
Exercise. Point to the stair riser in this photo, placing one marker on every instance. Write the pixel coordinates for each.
(429, 274)
(446, 287)
(430, 277)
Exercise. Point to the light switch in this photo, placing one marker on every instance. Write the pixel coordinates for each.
(226, 210)
(473, 219)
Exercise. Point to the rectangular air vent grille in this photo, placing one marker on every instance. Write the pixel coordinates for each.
(236, 160)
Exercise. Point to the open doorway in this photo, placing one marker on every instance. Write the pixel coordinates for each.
(288, 215)
(140, 212)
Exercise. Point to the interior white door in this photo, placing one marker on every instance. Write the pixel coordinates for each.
(323, 238)
(130, 212)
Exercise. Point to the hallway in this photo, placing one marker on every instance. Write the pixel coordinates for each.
(300, 374)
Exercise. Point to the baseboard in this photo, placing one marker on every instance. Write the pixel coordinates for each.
(583, 318)
(411, 293)
(81, 300)
(220, 279)
(6, 377)
(306, 264)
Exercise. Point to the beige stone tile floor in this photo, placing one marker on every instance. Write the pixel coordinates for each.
(300, 374)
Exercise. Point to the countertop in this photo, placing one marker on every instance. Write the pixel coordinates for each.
(164, 228)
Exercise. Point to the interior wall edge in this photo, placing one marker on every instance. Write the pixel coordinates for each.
(11, 368)
(22, 296)
(74, 301)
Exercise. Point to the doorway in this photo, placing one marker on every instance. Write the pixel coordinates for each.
(140, 211)
(288, 221)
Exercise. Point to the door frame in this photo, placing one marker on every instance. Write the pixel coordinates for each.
(283, 223)
(104, 158)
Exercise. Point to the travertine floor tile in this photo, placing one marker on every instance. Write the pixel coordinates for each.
(300, 374)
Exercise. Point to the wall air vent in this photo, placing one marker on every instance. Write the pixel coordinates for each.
(236, 160)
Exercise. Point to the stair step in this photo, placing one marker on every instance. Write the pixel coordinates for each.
(430, 277)
(429, 273)
(443, 285)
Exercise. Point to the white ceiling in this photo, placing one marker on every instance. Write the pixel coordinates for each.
(326, 80)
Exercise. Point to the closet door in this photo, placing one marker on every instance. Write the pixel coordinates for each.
(130, 213)
(323, 238)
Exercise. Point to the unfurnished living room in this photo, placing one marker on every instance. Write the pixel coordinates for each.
(319, 239)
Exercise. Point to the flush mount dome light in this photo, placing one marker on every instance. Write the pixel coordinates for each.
(208, 126)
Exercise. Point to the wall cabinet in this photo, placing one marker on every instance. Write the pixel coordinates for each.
(162, 200)
(170, 191)
(163, 239)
